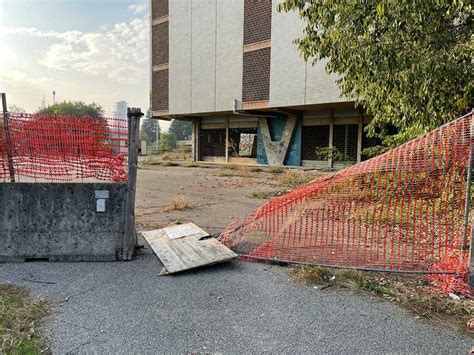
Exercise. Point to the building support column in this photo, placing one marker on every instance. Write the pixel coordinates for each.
(193, 140)
(227, 140)
(198, 133)
(359, 137)
(331, 134)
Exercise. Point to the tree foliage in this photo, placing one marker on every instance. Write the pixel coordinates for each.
(76, 108)
(149, 130)
(181, 129)
(407, 62)
(167, 142)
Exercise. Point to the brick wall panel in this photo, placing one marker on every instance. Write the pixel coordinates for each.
(257, 20)
(256, 75)
(160, 90)
(159, 8)
(160, 38)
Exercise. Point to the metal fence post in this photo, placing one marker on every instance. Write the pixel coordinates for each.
(468, 207)
(130, 236)
(8, 142)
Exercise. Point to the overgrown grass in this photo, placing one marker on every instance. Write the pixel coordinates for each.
(160, 161)
(295, 177)
(275, 170)
(20, 318)
(234, 170)
(413, 293)
(224, 173)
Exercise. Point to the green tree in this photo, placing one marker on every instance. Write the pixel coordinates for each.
(407, 62)
(149, 130)
(167, 142)
(181, 129)
(76, 108)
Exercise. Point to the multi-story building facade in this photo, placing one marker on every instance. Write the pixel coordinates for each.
(231, 67)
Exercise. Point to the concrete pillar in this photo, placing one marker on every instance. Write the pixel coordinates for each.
(193, 141)
(198, 132)
(359, 137)
(227, 140)
(331, 134)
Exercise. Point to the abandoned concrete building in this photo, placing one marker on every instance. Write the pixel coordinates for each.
(232, 69)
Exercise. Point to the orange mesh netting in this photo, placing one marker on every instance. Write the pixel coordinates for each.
(63, 148)
(400, 211)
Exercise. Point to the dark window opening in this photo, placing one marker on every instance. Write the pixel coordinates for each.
(243, 142)
(345, 141)
(212, 142)
(368, 142)
(313, 137)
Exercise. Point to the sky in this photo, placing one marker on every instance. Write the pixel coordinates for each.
(89, 50)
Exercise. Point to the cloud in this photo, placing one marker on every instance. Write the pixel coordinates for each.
(139, 8)
(119, 53)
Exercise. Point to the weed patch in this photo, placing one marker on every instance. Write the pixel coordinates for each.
(276, 170)
(178, 203)
(224, 173)
(294, 177)
(20, 318)
(413, 293)
(267, 195)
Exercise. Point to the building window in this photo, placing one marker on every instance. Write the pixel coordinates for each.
(313, 137)
(345, 141)
(243, 142)
(212, 142)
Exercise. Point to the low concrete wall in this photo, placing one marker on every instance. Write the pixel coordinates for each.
(60, 222)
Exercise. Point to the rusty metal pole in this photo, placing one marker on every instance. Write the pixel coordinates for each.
(468, 206)
(6, 129)
(130, 237)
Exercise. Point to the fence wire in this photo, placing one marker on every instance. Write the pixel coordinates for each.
(400, 211)
(63, 148)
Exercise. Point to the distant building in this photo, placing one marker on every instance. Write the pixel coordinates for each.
(120, 110)
(231, 67)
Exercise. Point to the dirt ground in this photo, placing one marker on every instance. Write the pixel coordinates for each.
(215, 198)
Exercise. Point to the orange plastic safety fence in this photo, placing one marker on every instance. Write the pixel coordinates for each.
(400, 211)
(63, 148)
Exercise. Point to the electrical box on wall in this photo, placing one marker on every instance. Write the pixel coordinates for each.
(101, 198)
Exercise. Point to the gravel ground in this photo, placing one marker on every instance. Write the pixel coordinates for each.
(238, 307)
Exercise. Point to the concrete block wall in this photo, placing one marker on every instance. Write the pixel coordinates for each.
(293, 81)
(205, 55)
(59, 222)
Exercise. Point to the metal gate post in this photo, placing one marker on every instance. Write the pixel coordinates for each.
(6, 129)
(468, 207)
(130, 236)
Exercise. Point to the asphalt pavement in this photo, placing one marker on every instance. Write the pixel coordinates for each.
(238, 307)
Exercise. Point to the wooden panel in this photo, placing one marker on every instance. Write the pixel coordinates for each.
(187, 252)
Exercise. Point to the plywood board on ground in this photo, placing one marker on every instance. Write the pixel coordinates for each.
(187, 252)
